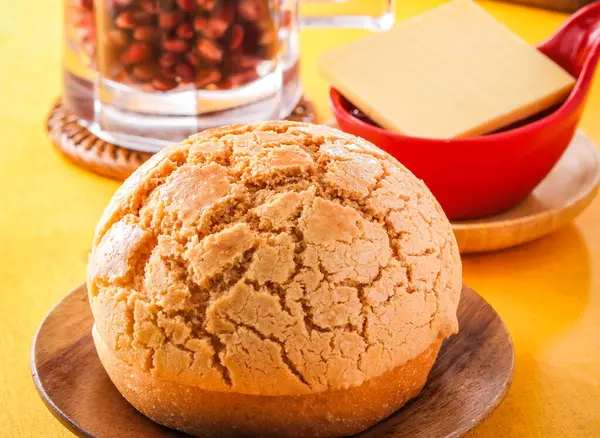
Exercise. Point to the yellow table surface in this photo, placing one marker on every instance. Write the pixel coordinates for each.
(547, 292)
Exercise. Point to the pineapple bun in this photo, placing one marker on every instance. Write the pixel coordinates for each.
(273, 279)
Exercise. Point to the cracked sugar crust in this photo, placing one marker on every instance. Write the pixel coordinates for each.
(275, 259)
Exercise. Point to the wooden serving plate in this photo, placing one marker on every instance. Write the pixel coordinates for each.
(557, 200)
(471, 376)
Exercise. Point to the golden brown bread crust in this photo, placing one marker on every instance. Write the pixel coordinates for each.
(332, 413)
(280, 264)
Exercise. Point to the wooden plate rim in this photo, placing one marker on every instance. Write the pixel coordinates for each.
(78, 431)
(54, 410)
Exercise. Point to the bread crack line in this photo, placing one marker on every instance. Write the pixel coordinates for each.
(284, 357)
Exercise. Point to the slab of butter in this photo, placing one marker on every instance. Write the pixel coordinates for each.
(453, 71)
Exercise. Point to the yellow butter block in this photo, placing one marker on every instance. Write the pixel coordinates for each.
(453, 71)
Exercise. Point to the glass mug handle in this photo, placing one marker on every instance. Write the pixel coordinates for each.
(370, 22)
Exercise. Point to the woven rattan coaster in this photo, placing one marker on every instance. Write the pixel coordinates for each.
(86, 150)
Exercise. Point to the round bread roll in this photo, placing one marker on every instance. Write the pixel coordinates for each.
(275, 279)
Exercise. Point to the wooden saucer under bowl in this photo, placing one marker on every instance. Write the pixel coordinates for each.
(565, 192)
(470, 377)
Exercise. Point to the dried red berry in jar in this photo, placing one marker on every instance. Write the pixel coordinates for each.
(128, 19)
(174, 45)
(148, 6)
(209, 51)
(251, 10)
(192, 59)
(225, 12)
(143, 73)
(146, 33)
(207, 76)
(164, 84)
(186, 5)
(236, 37)
(200, 23)
(213, 28)
(216, 27)
(84, 4)
(168, 59)
(224, 84)
(185, 31)
(206, 5)
(168, 20)
(125, 20)
(118, 38)
(169, 72)
(185, 72)
(123, 3)
(166, 5)
(136, 53)
(141, 18)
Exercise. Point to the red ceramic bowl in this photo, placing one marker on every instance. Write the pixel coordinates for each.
(481, 176)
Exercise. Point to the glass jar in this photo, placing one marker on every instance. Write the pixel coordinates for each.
(146, 73)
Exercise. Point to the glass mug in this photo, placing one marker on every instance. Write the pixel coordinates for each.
(146, 73)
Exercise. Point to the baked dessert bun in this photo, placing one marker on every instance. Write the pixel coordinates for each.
(275, 279)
